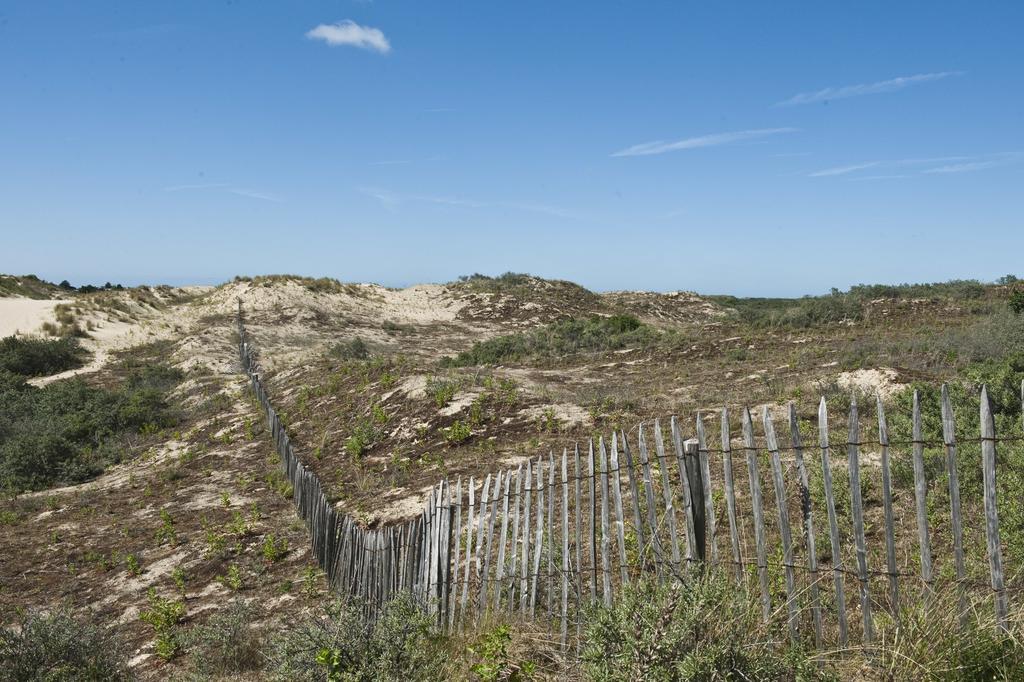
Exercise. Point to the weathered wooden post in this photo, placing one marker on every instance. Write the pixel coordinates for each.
(692, 463)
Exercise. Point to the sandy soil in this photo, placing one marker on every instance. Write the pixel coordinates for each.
(20, 316)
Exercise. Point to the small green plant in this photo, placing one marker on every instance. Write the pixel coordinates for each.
(238, 526)
(279, 484)
(233, 579)
(309, 583)
(548, 420)
(442, 390)
(274, 548)
(495, 663)
(457, 432)
(225, 499)
(166, 532)
(163, 615)
(132, 565)
(363, 436)
(179, 577)
(331, 661)
(215, 542)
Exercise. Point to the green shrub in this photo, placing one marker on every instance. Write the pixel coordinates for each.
(32, 357)
(274, 548)
(457, 432)
(931, 644)
(704, 630)
(495, 663)
(45, 647)
(503, 282)
(352, 349)
(68, 431)
(794, 312)
(566, 337)
(364, 435)
(233, 579)
(227, 644)
(164, 615)
(442, 390)
(1017, 301)
(338, 643)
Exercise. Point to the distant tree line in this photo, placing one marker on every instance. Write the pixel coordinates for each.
(89, 288)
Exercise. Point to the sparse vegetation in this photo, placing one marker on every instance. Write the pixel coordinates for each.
(559, 339)
(28, 286)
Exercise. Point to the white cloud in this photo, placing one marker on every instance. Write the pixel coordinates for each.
(713, 140)
(350, 33)
(845, 91)
(843, 170)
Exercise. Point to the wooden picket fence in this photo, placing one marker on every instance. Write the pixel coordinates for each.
(559, 533)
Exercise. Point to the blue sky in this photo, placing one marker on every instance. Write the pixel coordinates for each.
(749, 148)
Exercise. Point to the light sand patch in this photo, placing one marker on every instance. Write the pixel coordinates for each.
(566, 414)
(458, 403)
(24, 316)
(871, 381)
(123, 583)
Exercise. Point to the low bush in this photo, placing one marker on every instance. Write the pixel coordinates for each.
(930, 643)
(803, 312)
(566, 337)
(351, 349)
(339, 644)
(164, 615)
(57, 646)
(68, 431)
(32, 357)
(442, 390)
(227, 644)
(703, 630)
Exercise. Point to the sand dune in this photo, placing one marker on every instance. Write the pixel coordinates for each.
(25, 315)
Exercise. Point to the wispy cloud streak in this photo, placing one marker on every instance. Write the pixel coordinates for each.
(226, 187)
(713, 140)
(993, 161)
(394, 199)
(947, 164)
(253, 194)
(846, 91)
